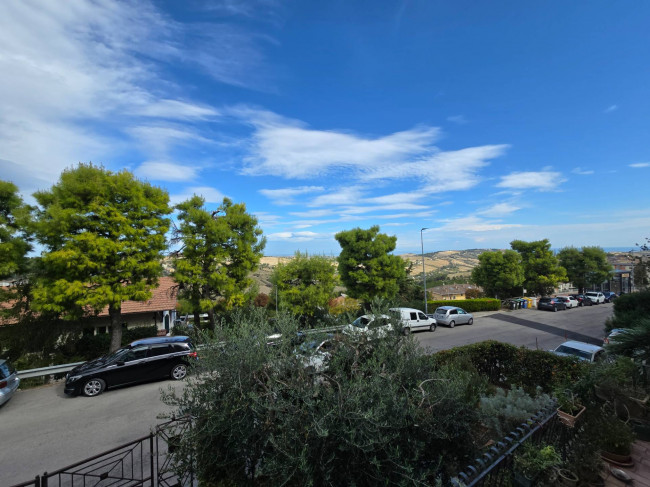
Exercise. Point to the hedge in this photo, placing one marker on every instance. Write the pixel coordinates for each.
(471, 305)
(506, 365)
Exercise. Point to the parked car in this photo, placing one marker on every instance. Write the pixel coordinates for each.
(581, 350)
(569, 301)
(413, 319)
(315, 354)
(452, 316)
(596, 297)
(372, 326)
(582, 300)
(140, 361)
(9, 381)
(613, 334)
(609, 296)
(552, 304)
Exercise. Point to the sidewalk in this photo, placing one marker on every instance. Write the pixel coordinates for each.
(640, 473)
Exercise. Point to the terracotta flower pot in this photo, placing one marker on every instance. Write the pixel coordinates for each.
(616, 459)
(566, 477)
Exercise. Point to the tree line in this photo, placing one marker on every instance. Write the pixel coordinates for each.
(102, 237)
(533, 266)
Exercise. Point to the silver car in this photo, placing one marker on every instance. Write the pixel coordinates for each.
(452, 316)
(9, 381)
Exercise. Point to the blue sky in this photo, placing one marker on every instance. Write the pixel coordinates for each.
(483, 121)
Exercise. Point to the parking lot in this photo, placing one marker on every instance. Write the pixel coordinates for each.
(43, 429)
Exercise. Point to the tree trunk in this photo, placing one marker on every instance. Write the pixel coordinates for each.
(116, 326)
(197, 319)
(211, 319)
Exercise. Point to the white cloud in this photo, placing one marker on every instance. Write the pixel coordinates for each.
(175, 109)
(541, 180)
(211, 195)
(166, 171)
(459, 119)
(499, 209)
(582, 172)
(611, 108)
(312, 213)
(297, 236)
(475, 224)
(640, 164)
(285, 196)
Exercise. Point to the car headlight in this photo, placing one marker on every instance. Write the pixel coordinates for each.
(72, 378)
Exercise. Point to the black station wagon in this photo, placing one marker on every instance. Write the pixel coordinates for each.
(140, 361)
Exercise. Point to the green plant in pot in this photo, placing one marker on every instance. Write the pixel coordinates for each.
(534, 464)
(569, 406)
(616, 437)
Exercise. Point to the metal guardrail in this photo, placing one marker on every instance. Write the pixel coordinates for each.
(43, 371)
(60, 369)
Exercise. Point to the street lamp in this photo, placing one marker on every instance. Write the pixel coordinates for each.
(424, 274)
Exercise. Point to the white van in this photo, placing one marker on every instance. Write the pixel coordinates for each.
(413, 319)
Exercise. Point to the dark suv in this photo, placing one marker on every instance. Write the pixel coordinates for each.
(140, 361)
(583, 300)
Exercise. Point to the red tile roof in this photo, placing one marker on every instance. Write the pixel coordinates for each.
(163, 298)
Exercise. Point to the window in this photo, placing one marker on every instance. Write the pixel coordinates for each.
(414, 316)
(453, 312)
(422, 316)
(158, 350)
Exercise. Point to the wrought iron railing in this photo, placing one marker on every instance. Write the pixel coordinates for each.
(145, 462)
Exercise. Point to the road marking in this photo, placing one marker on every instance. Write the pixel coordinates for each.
(553, 330)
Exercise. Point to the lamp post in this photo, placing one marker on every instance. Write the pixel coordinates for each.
(424, 274)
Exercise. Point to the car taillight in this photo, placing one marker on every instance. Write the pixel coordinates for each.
(605, 340)
(3, 383)
(193, 355)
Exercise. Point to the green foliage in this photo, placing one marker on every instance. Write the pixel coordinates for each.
(103, 234)
(471, 305)
(366, 267)
(382, 412)
(542, 271)
(15, 238)
(305, 283)
(615, 436)
(585, 267)
(219, 251)
(506, 410)
(474, 293)
(503, 364)
(533, 459)
(635, 342)
(500, 274)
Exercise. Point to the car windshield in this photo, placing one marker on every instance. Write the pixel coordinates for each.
(5, 370)
(574, 351)
(361, 322)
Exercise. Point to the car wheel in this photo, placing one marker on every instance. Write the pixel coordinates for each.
(179, 371)
(471, 321)
(93, 387)
(452, 324)
(433, 327)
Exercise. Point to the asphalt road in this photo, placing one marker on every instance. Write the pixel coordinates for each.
(43, 430)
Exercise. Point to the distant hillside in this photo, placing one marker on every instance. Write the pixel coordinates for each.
(454, 263)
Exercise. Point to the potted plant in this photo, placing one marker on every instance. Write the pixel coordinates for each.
(569, 407)
(533, 463)
(616, 437)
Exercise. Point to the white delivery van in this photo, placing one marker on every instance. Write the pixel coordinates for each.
(413, 319)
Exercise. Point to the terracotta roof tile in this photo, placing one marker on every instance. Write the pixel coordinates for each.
(163, 298)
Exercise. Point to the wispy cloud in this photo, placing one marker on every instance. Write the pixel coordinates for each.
(297, 236)
(638, 165)
(611, 108)
(459, 119)
(289, 149)
(285, 196)
(166, 171)
(582, 172)
(475, 224)
(541, 180)
(499, 209)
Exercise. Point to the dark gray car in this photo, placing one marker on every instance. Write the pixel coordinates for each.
(9, 381)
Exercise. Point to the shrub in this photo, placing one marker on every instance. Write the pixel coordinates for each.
(505, 410)
(471, 305)
(139, 332)
(382, 412)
